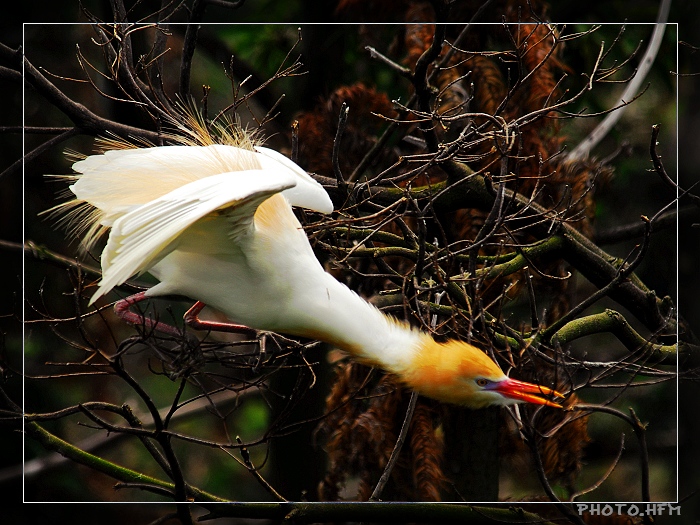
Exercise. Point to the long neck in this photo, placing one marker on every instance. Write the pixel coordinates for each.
(333, 313)
(320, 307)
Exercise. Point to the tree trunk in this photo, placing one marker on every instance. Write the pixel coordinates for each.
(471, 453)
(297, 463)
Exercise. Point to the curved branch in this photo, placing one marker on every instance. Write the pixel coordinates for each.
(36, 152)
(377, 492)
(640, 432)
(583, 149)
(188, 47)
(420, 82)
(54, 443)
(615, 323)
(82, 117)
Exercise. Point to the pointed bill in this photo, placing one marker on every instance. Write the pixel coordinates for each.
(527, 392)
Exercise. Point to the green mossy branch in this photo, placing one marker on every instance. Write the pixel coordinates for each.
(379, 512)
(539, 252)
(123, 474)
(504, 264)
(609, 321)
(299, 512)
(615, 323)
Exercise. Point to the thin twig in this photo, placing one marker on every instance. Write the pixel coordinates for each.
(639, 430)
(342, 122)
(377, 492)
(245, 454)
(583, 149)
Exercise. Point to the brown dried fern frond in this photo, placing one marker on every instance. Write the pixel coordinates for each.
(539, 55)
(361, 430)
(562, 453)
(563, 436)
(317, 128)
(427, 447)
(489, 87)
(342, 411)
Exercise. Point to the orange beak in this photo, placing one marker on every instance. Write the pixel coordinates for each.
(523, 391)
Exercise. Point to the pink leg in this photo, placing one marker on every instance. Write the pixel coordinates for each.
(122, 309)
(192, 320)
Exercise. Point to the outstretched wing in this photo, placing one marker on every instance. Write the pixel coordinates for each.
(149, 196)
(146, 234)
(306, 193)
(117, 181)
(145, 174)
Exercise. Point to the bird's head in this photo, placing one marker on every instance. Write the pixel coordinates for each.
(459, 373)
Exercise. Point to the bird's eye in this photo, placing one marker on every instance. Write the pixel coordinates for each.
(482, 382)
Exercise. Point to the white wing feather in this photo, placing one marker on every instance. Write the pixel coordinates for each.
(307, 193)
(116, 181)
(146, 234)
(145, 174)
(149, 196)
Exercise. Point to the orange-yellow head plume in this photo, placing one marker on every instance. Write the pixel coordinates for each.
(457, 372)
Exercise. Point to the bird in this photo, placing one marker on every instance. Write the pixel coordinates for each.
(214, 222)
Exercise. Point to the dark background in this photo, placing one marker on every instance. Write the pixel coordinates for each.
(685, 13)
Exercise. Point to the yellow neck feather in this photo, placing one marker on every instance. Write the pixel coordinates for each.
(446, 371)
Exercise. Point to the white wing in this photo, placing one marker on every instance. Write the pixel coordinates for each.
(146, 234)
(145, 174)
(306, 193)
(117, 181)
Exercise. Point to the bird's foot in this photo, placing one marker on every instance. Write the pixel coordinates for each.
(123, 310)
(193, 321)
